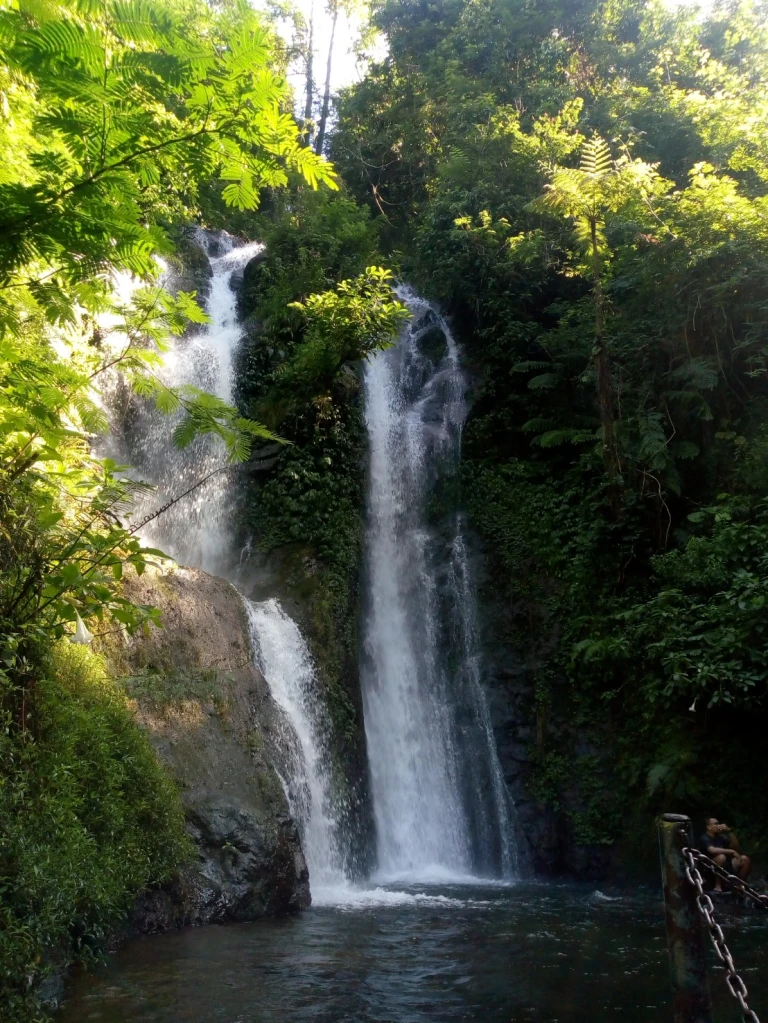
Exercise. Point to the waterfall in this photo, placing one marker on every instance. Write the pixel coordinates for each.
(492, 817)
(282, 655)
(197, 530)
(439, 799)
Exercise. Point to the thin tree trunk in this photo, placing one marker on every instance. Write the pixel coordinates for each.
(327, 94)
(310, 89)
(603, 365)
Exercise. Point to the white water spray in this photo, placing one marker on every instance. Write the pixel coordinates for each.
(282, 655)
(439, 798)
(197, 530)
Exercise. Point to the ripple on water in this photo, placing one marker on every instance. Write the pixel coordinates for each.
(531, 953)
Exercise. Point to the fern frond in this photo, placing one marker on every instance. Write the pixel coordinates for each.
(66, 38)
(92, 417)
(596, 158)
(544, 381)
(185, 432)
(538, 423)
(529, 365)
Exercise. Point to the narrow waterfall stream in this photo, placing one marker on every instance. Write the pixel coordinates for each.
(197, 530)
(439, 798)
(283, 657)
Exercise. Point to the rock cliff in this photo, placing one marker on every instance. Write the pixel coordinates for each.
(210, 716)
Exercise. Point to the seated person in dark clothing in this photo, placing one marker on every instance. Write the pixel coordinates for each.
(722, 846)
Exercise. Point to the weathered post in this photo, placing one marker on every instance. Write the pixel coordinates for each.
(685, 934)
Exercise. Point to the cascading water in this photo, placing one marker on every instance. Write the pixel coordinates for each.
(439, 799)
(492, 816)
(283, 657)
(196, 530)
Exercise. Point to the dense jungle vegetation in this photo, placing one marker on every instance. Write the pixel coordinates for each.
(120, 123)
(583, 188)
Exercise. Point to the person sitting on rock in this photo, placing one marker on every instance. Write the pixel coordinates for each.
(721, 845)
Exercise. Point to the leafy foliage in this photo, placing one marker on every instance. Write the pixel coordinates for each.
(118, 107)
(87, 819)
(116, 119)
(357, 319)
(133, 102)
(583, 188)
(703, 632)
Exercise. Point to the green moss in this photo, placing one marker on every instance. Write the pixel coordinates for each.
(270, 787)
(255, 742)
(160, 688)
(87, 820)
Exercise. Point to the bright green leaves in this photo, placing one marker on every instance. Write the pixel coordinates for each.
(88, 818)
(599, 188)
(61, 507)
(116, 115)
(134, 107)
(65, 545)
(596, 161)
(207, 414)
(356, 319)
(83, 573)
(240, 193)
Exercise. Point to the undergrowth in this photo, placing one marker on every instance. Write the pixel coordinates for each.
(87, 820)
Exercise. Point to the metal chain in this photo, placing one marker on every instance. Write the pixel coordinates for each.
(736, 985)
(737, 882)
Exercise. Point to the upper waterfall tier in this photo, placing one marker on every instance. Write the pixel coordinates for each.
(440, 802)
(197, 530)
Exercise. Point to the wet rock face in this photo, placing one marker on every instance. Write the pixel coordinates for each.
(250, 867)
(212, 721)
(190, 267)
(547, 840)
(246, 871)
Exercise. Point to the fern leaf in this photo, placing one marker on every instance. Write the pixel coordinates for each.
(554, 438)
(529, 365)
(596, 158)
(544, 381)
(185, 433)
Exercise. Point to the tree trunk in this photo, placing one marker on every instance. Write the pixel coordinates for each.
(603, 365)
(327, 94)
(310, 87)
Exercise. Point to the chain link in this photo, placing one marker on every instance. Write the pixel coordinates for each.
(736, 985)
(736, 882)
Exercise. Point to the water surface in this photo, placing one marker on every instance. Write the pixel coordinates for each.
(530, 952)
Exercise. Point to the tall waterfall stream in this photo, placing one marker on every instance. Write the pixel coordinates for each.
(196, 530)
(438, 934)
(439, 799)
(440, 805)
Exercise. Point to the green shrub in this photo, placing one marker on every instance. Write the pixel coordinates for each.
(87, 820)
